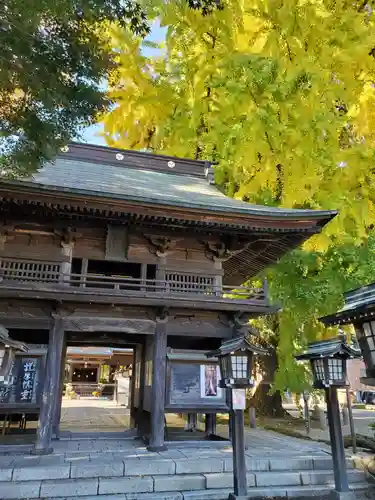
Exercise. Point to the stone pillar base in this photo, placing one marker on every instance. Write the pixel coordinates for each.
(157, 449)
(342, 495)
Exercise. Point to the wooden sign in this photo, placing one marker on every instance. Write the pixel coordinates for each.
(27, 380)
(26, 386)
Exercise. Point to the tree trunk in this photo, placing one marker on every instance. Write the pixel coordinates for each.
(268, 404)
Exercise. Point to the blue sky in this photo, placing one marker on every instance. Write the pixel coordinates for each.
(90, 135)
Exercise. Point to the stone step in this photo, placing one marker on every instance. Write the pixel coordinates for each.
(321, 492)
(158, 484)
(30, 468)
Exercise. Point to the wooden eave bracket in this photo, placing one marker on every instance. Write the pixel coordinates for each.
(224, 249)
(5, 230)
(68, 235)
(239, 320)
(162, 315)
(160, 245)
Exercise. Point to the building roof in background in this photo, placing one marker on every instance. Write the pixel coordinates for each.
(331, 347)
(359, 305)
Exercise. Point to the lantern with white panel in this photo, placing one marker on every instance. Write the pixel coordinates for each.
(236, 366)
(236, 362)
(328, 360)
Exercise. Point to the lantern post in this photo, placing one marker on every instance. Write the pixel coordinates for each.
(236, 366)
(328, 363)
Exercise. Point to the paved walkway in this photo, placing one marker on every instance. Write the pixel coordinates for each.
(93, 415)
(262, 442)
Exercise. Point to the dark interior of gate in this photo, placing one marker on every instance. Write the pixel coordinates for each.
(115, 250)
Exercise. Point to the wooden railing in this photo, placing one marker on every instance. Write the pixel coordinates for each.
(29, 269)
(183, 282)
(48, 274)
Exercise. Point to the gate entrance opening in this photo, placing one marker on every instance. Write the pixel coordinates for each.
(96, 394)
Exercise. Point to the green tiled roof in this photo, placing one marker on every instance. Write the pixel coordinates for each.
(358, 303)
(149, 186)
(331, 347)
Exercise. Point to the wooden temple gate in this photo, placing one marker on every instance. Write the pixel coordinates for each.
(128, 249)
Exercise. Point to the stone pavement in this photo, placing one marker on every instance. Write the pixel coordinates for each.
(267, 442)
(93, 415)
(323, 435)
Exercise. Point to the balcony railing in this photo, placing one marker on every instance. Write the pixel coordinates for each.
(48, 275)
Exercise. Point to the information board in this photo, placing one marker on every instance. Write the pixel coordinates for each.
(195, 385)
(185, 383)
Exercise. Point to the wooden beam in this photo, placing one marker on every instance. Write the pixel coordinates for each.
(159, 368)
(83, 295)
(51, 388)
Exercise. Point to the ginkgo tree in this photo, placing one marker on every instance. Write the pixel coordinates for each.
(280, 96)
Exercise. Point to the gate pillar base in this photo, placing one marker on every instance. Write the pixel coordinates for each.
(157, 449)
(342, 495)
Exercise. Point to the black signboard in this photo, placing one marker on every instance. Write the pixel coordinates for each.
(26, 386)
(26, 381)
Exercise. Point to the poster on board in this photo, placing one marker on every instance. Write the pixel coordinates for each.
(209, 381)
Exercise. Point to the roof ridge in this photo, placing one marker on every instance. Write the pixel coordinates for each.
(137, 159)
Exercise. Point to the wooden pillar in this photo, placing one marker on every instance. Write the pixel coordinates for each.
(239, 458)
(71, 371)
(159, 365)
(51, 387)
(160, 274)
(67, 254)
(84, 267)
(58, 400)
(210, 425)
(192, 422)
(133, 411)
(218, 278)
(143, 277)
(142, 421)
